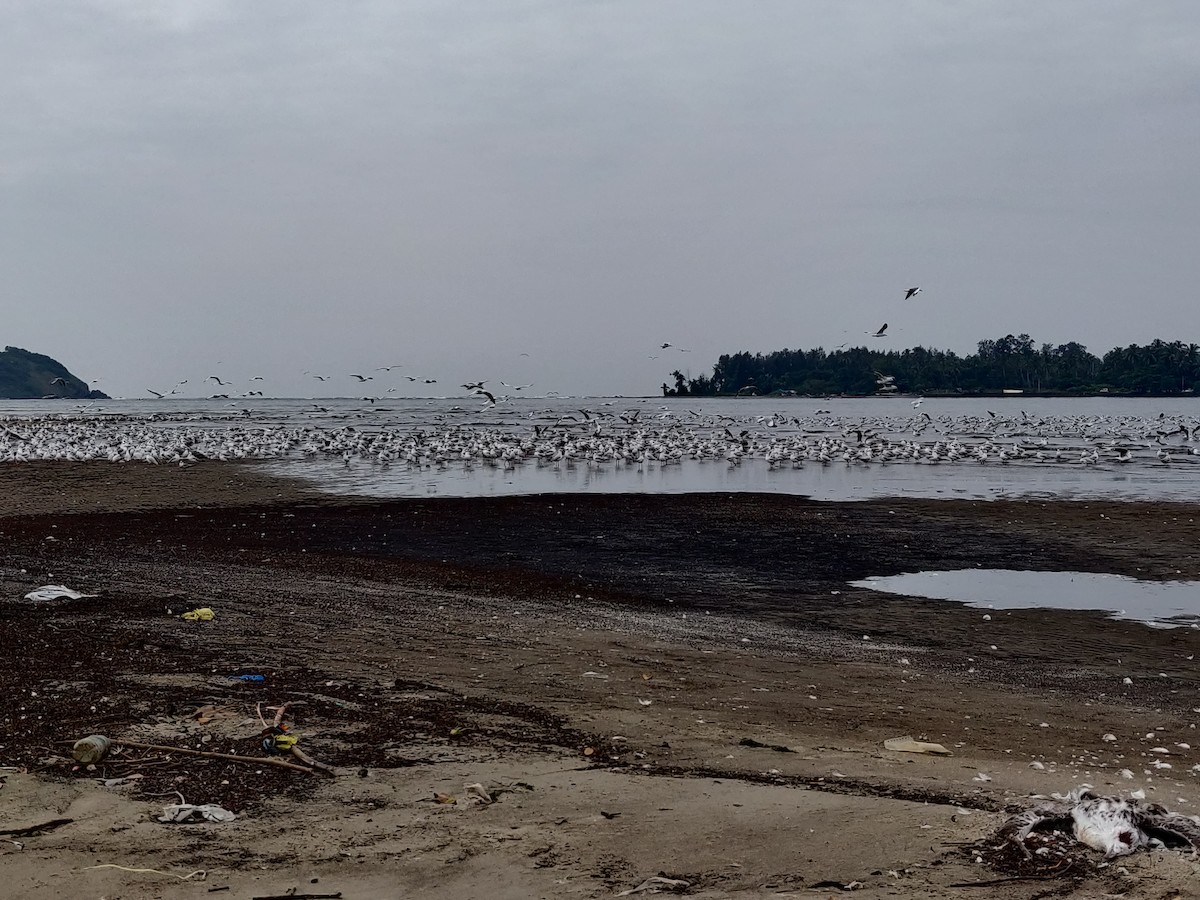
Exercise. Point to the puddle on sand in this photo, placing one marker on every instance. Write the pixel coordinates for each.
(1161, 604)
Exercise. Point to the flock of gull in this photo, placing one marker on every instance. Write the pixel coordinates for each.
(637, 436)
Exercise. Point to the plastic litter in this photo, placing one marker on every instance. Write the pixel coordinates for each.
(202, 614)
(55, 592)
(90, 750)
(279, 741)
(478, 792)
(906, 744)
(254, 678)
(189, 812)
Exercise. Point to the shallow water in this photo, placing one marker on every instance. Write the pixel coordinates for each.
(1163, 604)
(1053, 437)
(835, 482)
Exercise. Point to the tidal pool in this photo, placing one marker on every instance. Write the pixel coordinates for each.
(1161, 604)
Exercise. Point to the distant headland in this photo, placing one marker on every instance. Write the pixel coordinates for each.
(1010, 365)
(34, 376)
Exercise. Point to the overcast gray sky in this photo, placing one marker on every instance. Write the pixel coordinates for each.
(197, 187)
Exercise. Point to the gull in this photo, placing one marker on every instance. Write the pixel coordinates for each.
(476, 386)
(321, 377)
(1112, 825)
(916, 403)
(878, 333)
(218, 380)
(59, 380)
(488, 394)
(911, 292)
(362, 378)
(389, 368)
(155, 393)
(411, 377)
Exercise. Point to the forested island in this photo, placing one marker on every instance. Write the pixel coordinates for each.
(33, 376)
(1012, 364)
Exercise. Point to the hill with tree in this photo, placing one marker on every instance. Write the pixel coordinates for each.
(1012, 363)
(27, 376)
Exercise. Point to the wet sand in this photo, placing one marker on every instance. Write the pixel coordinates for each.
(597, 662)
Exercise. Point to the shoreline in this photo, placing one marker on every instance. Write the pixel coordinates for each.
(399, 622)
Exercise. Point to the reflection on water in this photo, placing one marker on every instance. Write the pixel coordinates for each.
(832, 482)
(1163, 604)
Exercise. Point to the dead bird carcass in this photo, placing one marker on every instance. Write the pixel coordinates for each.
(1115, 826)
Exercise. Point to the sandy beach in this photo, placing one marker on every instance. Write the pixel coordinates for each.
(682, 688)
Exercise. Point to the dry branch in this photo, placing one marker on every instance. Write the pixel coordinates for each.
(212, 754)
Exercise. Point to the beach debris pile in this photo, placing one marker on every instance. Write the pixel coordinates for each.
(276, 740)
(656, 884)
(1063, 833)
(191, 812)
(476, 794)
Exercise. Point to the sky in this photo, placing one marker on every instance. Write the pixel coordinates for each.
(544, 192)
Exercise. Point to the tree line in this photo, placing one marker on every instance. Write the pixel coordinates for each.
(1009, 363)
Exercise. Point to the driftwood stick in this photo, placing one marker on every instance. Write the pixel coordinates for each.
(212, 754)
(279, 714)
(309, 761)
(34, 829)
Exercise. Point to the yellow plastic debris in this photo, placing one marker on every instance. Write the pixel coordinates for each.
(203, 614)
